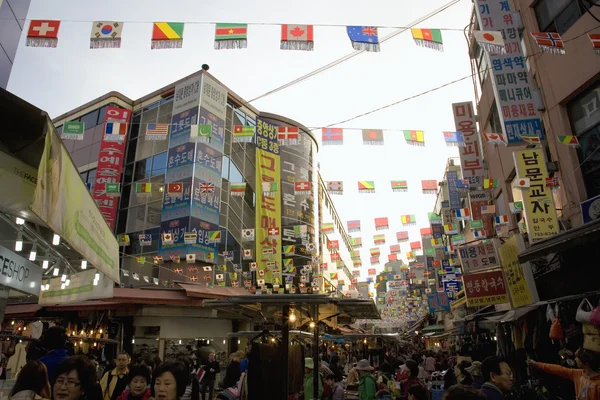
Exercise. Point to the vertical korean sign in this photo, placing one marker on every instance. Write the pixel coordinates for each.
(110, 166)
(538, 203)
(194, 169)
(519, 277)
(510, 78)
(268, 200)
(471, 161)
(206, 193)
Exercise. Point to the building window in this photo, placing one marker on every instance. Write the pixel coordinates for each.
(89, 178)
(584, 115)
(559, 15)
(495, 123)
(483, 67)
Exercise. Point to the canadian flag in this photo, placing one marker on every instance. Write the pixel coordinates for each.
(253, 266)
(522, 183)
(167, 238)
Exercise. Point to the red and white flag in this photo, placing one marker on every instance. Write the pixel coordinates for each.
(288, 135)
(43, 33)
(297, 37)
(302, 187)
(490, 41)
(497, 138)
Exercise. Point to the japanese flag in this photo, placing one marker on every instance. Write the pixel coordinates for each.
(489, 40)
(190, 258)
(522, 183)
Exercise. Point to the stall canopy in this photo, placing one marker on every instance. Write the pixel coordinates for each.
(580, 236)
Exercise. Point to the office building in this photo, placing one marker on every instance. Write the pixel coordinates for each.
(206, 204)
(12, 15)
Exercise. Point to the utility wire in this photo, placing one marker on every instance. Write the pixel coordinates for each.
(246, 23)
(355, 53)
(436, 88)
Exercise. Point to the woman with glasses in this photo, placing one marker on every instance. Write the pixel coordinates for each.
(75, 379)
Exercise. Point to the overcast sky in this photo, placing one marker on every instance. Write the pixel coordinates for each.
(61, 79)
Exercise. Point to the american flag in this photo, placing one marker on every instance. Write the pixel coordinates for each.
(206, 187)
(157, 129)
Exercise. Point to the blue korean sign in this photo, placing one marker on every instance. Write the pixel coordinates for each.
(178, 227)
(453, 193)
(180, 127)
(452, 288)
(438, 301)
(180, 163)
(201, 228)
(177, 205)
(590, 209)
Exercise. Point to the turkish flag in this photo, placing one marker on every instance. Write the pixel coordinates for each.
(176, 187)
(43, 28)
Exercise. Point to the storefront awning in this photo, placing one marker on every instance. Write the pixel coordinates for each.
(582, 235)
(154, 297)
(205, 292)
(514, 314)
(21, 310)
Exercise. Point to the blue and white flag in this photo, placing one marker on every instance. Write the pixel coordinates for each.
(364, 37)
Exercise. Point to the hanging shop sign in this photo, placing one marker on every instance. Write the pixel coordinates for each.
(268, 206)
(82, 286)
(110, 164)
(538, 202)
(438, 301)
(519, 276)
(18, 273)
(590, 209)
(63, 202)
(511, 80)
(471, 161)
(478, 257)
(485, 288)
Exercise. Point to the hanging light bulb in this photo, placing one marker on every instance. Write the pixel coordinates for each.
(101, 331)
(19, 242)
(83, 264)
(45, 264)
(179, 341)
(20, 221)
(224, 341)
(56, 240)
(365, 341)
(97, 276)
(33, 251)
(292, 316)
(133, 340)
(312, 325)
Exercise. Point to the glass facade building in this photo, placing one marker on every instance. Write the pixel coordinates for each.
(145, 161)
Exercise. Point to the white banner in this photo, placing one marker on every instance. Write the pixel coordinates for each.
(63, 202)
(81, 287)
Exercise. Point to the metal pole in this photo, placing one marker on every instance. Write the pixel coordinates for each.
(315, 352)
(285, 343)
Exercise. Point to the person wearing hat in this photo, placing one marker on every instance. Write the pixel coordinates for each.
(367, 385)
(309, 370)
(475, 371)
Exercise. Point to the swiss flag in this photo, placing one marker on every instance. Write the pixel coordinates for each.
(43, 28)
(301, 186)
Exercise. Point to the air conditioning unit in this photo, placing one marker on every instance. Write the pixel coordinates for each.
(538, 101)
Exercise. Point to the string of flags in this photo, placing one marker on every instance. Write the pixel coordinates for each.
(170, 35)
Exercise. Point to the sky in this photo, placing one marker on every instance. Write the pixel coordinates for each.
(61, 79)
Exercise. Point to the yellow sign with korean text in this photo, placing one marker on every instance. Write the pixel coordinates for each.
(539, 209)
(268, 203)
(521, 292)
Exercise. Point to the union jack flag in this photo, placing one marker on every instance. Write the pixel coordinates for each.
(207, 187)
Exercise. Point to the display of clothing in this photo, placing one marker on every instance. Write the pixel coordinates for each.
(36, 328)
(18, 360)
(264, 372)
